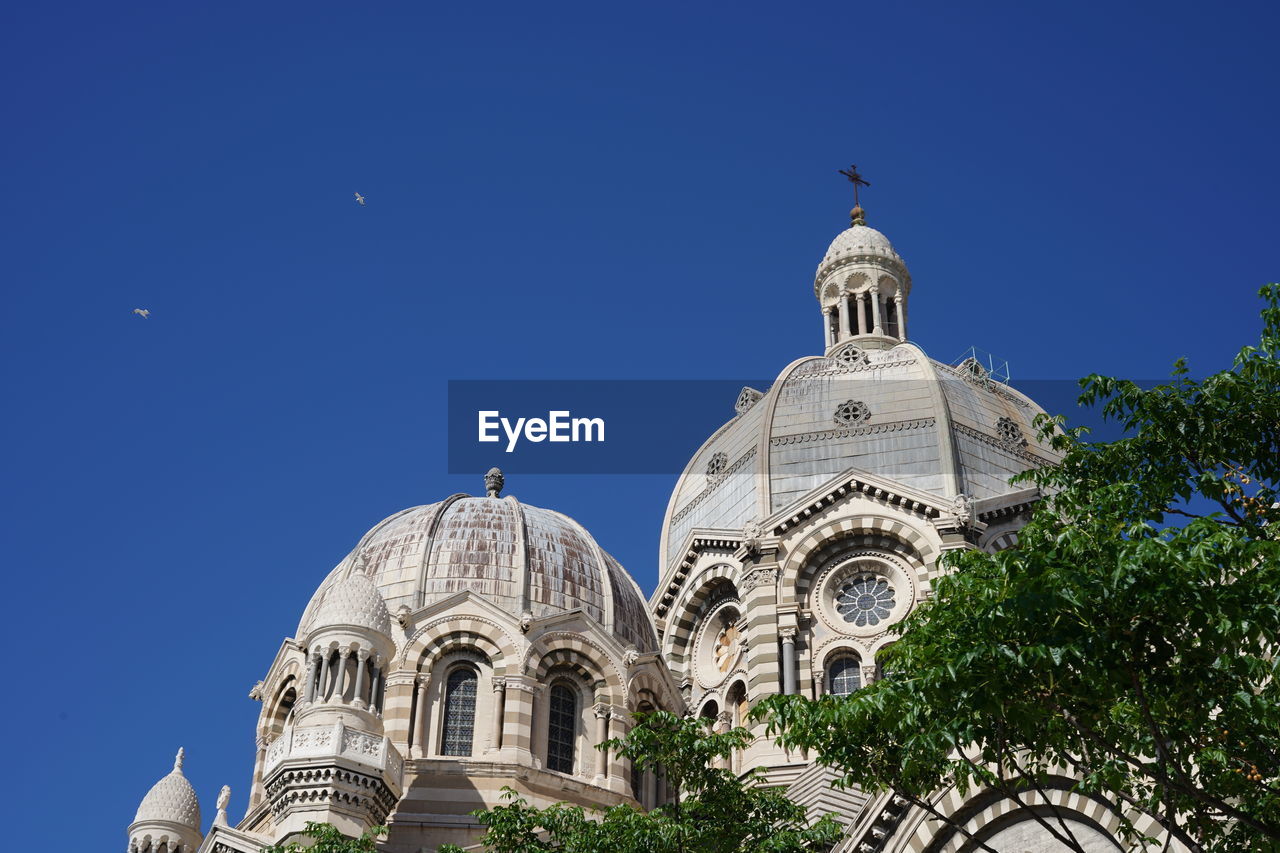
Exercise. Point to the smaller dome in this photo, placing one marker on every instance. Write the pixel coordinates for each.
(171, 800)
(354, 601)
(859, 240)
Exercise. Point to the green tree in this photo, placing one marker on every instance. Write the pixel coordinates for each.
(325, 838)
(712, 809)
(1124, 648)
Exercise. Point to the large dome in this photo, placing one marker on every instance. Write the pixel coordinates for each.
(522, 558)
(934, 430)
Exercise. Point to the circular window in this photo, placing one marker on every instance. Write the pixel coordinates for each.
(862, 594)
(1010, 433)
(865, 600)
(851, 412)
(850, 356)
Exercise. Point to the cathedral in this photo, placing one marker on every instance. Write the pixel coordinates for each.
(479, 642)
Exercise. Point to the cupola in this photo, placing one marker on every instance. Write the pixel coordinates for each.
(862, 285)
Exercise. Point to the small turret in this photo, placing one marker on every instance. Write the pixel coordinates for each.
(168, 820)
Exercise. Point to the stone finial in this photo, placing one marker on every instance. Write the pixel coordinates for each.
(493, 482)
(179, 758)
(224, 797)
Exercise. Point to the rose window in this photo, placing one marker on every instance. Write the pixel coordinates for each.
(851, 412)
(865, 600)
(1010, 432)
(716, 464)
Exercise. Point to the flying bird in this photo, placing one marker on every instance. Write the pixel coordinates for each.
(142, 312)
(359, 199)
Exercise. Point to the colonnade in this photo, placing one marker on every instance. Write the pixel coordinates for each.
(330, 676)
(865, 313)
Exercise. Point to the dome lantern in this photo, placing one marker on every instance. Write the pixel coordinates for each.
(862, 284)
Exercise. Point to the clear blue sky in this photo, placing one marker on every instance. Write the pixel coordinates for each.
(554, 191)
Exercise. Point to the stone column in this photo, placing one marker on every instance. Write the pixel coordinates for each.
(357, 696)
(826, 326)
(602, 735)
(313, 675)
(618, 728)
(902, 317)
(255, 790)
(418, 749)
(844, 316)
(375, 687)
(723, 725)
(877, 329)
(862, 313)
(340, 683)
(499, 711)
(324, 675)
(789, 685)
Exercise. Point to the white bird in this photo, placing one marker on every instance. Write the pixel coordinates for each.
(142, 312)
(360, 199)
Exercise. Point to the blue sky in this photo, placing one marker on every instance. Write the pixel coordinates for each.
(555, 191)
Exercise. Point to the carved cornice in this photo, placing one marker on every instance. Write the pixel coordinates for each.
(848, 432)
(857, 485)
(992, 441)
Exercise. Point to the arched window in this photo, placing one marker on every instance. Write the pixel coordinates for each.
(845, 675)
(890, 317)
(459, 711)
(883, 671)
(562, 728)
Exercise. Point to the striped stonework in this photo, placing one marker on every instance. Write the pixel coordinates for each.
(517, 722)
(397, 707)
(834, 550)
(713, 582)
(760, 604)
(801, 555)
(999, 541)
(449, 633)
(573, 651)
(988, 808)
(645, 687)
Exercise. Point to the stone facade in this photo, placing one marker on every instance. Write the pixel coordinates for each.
(479, 643)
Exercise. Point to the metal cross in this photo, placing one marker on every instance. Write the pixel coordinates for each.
(854, 178)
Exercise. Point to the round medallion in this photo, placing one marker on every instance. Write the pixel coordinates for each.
(718, 645)
(862, 594)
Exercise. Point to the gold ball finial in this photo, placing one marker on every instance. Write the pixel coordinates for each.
(858, 216)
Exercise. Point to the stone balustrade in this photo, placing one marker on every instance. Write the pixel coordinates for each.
(336, 740)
